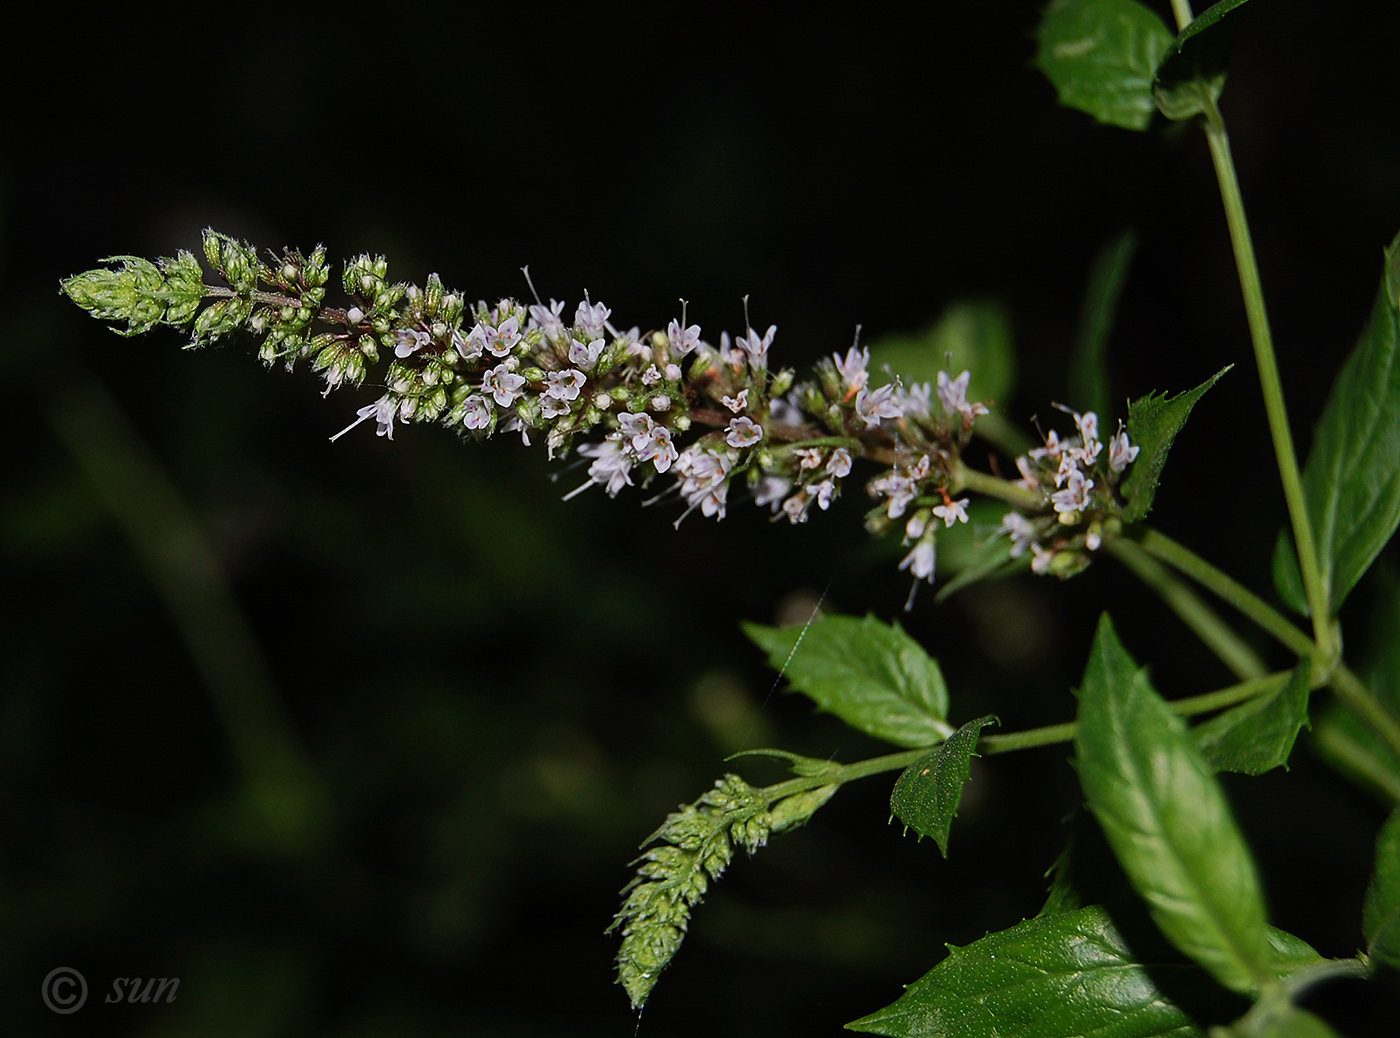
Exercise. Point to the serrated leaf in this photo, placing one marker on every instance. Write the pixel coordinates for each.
(1053, 976)
(926, 795)
(1166, 818)
(1153, 422)
(1101, 56)
(868, 673)
(1192, 72)
(1380, 920)
(972, 335)
(1258, 735)
(1088, 365)
(1352, 479)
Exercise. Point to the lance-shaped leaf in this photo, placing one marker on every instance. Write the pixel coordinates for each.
(1258, 735)
(1166, 818)
(1101, 56)
(1153, 422)
(868, 673)
(1352, 478)
(1053, 976)
(926, 795)
(1380, 921)
(1192, 72)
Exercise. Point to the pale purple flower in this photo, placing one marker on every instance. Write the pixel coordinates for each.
(1075, 496)
(585, 356)
(609, 469)
(785, 411)
(502, 383)
(756, 348)
(743, 432)
(1120, 452)
(637, 429)
(476, 412)
(553, 407)
(651, 376)
(659, 449)
(897, 490)
(682, 340)
(1028, 479)
(547, 320)
(1053, 448)
(469, 347)
(952, 394)
(704, 478)
(564, 385)
(807, 457)
(592, 319)
(872, 407)
(914, 400)
(408, 341)
(840, 463)
(795, 507)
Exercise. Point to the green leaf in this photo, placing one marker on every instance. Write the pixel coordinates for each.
(1088, 365)
(1166, 818)
(1053, 976)
(1258, 735)
(868, 673)
(1288, 578)
(1380, 920)
(1101, 56)
(972, 335)
(926, 796)
(1153, 422)
(1192, 73)
(1276, 1017)
(800, 765)
(1352, 481)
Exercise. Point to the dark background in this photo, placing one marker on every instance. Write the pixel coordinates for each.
(462, 702)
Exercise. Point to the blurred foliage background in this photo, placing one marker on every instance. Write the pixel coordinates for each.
(358, 738)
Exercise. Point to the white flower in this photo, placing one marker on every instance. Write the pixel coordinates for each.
(877, 405)
(1053, 448)
(553, 407)
(920, 560)
(651, 376)
(476, 412)
(592, 319)
(503, 384)
(737, 404)
(382, 410)
(547, 319)
(585, 356)
(757, 348)
(564, 385)
(896, 489)
(823, 492)
(1022, 532)
(952, 394)
(852, 369)
(409, 340)
(1120, 453)
(840, 463)
(743, 432)
(704, 478)
(808, 457)
(637, 429)
(469, 348)
(682, 340)
(1075, 496)
(659, 449)
(770, 490)
(609, 469)
(1028, 479)
(915, 399)
(952, 512)
(795, 507)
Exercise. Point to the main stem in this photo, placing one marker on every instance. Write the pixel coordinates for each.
(1269, 381)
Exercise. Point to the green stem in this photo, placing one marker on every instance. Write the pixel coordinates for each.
(1181, 10)
(1360, 701)
(1181, 558)
(1269, 381)
(1204, 621)
(964, 478)
(838, 774)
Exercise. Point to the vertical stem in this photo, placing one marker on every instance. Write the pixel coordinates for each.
(1269, 378)
(1181, 9)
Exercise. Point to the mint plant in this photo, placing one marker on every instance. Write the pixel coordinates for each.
(1155, 921)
